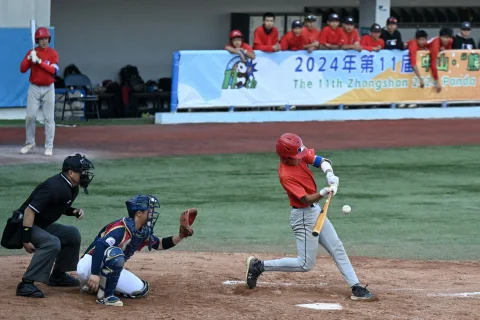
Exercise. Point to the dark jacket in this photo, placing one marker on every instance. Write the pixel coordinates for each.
(461, 43)
(392, 41)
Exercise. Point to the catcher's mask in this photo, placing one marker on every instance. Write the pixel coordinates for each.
(82, 165)
(141, 203)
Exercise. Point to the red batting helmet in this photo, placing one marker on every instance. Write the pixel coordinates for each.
(236, 34)
(290, 145)
(42, 33)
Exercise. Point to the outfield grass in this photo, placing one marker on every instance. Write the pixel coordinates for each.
(417, 203)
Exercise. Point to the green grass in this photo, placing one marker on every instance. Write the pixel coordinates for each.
(90, 122)
(417, 203)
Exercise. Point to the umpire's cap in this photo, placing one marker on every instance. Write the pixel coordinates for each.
(77, 163)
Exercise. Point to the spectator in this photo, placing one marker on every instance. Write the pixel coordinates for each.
(391, 36)
(462, 41)
(415, 45)
(311, 33)
(265, 37)
(372, 41)
(293, 40)
(237, 46)
(351, 38)
(443, 42)
(331, 36)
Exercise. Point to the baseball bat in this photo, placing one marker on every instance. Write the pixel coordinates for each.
(32, 33)
(321, 217)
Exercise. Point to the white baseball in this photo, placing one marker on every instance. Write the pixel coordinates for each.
(346, 209)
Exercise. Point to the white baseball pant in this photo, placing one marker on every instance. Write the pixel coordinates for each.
(302, 222)
(128, 283)
(45, 96)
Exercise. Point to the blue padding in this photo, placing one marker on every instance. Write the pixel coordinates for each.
(13, 83)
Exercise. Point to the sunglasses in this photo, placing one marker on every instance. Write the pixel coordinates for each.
(466, 29)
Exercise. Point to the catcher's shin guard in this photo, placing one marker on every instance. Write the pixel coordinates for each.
(112, 266)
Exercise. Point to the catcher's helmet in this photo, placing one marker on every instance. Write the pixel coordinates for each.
(290, 146)
(236, 34)
(42, 33)
(141, 203)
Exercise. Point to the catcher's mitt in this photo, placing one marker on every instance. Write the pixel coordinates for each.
(186, 220)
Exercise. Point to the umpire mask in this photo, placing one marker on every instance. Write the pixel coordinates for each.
(82, 165)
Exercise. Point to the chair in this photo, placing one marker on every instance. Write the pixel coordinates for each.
(80, 81)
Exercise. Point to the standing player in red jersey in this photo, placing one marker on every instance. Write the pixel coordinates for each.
(265, 37)
(351, 38)
(438, 44)
(311, 33)
(372, 41)
(331, 36)
(299, 184)
(237, 46)
(293, 40)
(43, 62)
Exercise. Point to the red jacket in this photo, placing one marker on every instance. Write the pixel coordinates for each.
(435, 47)
(42, 74)
(368, 43)
(293, 43)
(310, 35)
(330, 36)
(350, 38)
(263, 41)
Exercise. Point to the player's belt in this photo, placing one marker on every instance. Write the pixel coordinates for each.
(311, 206)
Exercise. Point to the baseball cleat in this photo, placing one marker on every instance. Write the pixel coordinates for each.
(110, 301)
(29, 290)
(254, 270)
(27, 148)
(48, 152)
(361, 293)
(63, 280)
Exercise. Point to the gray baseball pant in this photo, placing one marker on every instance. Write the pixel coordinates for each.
(45, 96)
(57, 244)
(302, 222)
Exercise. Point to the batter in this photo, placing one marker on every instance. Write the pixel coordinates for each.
(299, 184)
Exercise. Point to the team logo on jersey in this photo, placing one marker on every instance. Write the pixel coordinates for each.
(110, 241)
(239, 74)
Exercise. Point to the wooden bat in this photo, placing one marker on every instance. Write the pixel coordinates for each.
(321, 217)
(32, 33)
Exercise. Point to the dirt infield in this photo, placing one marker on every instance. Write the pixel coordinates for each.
(191, 285)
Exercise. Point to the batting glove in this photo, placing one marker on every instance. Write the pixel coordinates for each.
(325, 191)
(332, 179)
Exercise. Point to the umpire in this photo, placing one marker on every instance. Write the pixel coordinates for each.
(51, 242)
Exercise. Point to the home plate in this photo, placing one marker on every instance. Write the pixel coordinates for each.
(321, 306)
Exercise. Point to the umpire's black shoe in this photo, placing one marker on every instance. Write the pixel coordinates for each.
(361, 293)
(63, 280)
(29, 290)
(254, 270)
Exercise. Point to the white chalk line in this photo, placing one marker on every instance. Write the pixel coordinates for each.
(459, 295)
(321, 306)
(282, 284)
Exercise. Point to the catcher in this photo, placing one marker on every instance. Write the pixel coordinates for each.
(101, 269)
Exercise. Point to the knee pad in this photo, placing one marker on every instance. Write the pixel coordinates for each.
(112, 266)
(138, 294)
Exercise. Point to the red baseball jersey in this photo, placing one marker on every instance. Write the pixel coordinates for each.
(310, 35)
(292, 42)
(368, 42)
(435, 46)
(42, 74)
(298, 181)
(350, 38)
(243, 46)
(413, 48)
(331, 36)
(263, 41)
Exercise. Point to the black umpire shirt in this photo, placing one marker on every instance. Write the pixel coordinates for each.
(50, 200)
(392, 41)
(460, 42)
